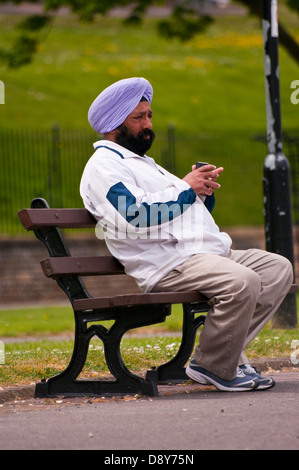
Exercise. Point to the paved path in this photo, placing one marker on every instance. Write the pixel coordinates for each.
(183, 417)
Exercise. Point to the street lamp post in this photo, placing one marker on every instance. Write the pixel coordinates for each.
(277, 193)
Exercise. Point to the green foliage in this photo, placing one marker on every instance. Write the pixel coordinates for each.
(22, 51)
(186, 20)
(34, 23)
(184, 24)
(26, 44)
(294, 5)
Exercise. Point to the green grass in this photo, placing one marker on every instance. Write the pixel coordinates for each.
(212, 83)
(31, 361)
(41, 322)
(37, 356)
(45, 321)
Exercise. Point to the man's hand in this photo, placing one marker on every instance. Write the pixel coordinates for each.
(203, 180)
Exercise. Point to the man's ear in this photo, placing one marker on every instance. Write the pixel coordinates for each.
(111, 135)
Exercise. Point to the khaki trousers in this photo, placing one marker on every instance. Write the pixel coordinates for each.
(244, 290)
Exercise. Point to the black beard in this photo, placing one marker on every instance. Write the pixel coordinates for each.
(136, 144)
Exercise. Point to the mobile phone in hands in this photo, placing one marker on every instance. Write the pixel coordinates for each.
(200, 164)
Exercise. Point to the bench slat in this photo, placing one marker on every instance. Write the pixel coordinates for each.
(63, 218)
(145, 299)
(81, 265)
(139, 299)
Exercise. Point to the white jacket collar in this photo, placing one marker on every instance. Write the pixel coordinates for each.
(122, 151)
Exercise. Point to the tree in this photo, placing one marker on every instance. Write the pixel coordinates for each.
(186, 20)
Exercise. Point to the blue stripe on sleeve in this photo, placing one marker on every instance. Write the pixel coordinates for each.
(210, 202)
(147, 215)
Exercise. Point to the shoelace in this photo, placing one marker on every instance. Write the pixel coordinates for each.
(250, 369)
(240, 373)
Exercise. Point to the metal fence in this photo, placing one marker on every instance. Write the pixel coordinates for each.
(49, 164)
(38, 163)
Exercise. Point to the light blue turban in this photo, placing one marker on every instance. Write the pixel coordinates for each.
(111, 108)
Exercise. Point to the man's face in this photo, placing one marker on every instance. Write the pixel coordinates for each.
(136, 132)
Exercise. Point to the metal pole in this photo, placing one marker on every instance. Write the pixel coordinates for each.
(277, 193)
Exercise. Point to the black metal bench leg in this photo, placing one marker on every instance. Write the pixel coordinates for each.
(174, 370)
(126, 381)
(66, 383)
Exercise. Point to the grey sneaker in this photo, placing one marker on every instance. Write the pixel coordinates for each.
(241, 383)
(264, 382)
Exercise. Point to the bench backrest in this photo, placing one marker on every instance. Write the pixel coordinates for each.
(62, 266)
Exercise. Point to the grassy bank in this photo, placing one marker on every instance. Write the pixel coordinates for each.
(30, 355)
(212, 83)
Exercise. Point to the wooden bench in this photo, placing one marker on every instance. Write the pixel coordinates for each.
(129, 311)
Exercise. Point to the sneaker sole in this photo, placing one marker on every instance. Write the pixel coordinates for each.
(262, 386)
(264, 382)
(200, 377)
(195, 376)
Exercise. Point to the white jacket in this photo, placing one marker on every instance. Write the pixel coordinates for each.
(151, 220)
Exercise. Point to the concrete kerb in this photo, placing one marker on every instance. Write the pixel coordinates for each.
(17, 392)
(26, 392)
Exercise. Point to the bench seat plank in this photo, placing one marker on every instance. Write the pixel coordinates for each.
(145, 299)
(139, 299)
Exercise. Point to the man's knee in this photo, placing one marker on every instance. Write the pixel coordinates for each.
(246, 283)
(284, 271)
(252, 282)
(288, 270)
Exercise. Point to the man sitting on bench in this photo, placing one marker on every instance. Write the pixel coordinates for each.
(161, 229)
